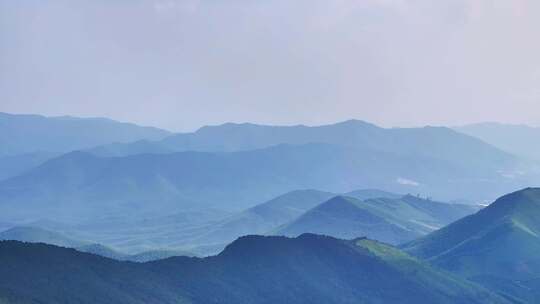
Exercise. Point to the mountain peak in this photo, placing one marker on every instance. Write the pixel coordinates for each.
(355, 123)
(346, 218)
(499, 243)
(260, 245)
(522, 200)
(530, 193)
(339, 203)
(315, 237)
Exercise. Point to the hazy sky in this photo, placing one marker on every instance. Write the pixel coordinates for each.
(182, 64)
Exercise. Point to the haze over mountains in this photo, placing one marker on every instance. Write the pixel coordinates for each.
(205, 233)
(23, 133)
(142, 194)
(27, 141)
(430, 142)
(34, 234)
(319, 152)
(390, 220)
(346, 218)
(159, 181)
(234, 166)
(519, 140)
(17, 164)
(299, 212)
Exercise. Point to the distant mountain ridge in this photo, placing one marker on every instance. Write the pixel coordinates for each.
(520, 140)
(175, 180)
(29, 234)
(25, 133)
(433, 142)
(38, 235)
(265, 218)
(335, 158)
(207, 232)
(253, 269)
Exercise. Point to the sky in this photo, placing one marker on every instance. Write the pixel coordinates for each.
(187, 63)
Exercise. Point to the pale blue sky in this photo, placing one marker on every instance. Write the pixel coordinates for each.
(183, 64)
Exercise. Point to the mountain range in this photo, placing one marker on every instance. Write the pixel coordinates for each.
(436, 142)
(253, 269)
(27, 141)
(441, 145)
(207, 233)
(110, 212)
(335, 158)
(287, 214)
(490, 256)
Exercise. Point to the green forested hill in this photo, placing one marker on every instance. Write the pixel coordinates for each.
(253, 269)
(390, 220)
(498, 246)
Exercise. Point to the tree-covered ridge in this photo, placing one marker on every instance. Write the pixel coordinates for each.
(253, 269)
(497, 247)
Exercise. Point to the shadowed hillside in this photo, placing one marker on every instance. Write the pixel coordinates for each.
(252, 270)
(497, 247)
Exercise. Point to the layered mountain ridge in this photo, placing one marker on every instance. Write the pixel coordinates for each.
(301, 270)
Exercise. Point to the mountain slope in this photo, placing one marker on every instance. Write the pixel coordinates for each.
(80, 183)
(519, 140)
(344, 217)
(498, 246)
(264, 217)
(251, 270)
(157, 254)
(364, 194)
(21, 134)
(412, 213)
(39, 235)
(393, 221)
(101, 250)
(69, 276)
(141, 257)
(32, 234)
(268, 216)
(17, 164)
(436, 214)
